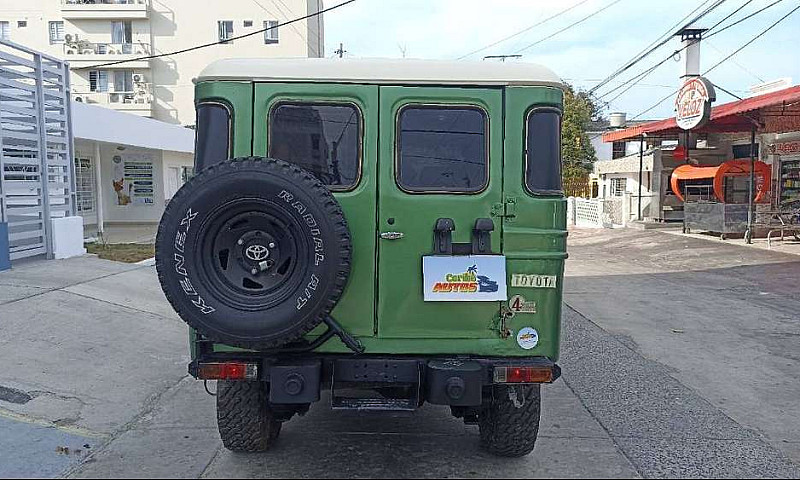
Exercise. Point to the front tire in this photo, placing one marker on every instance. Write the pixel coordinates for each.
(244, 418)
(509, 421)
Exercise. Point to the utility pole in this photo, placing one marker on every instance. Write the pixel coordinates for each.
(341, 51)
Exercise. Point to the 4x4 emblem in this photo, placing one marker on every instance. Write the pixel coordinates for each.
(256, 253)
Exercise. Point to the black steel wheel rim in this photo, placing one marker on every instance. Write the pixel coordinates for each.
(252, 253)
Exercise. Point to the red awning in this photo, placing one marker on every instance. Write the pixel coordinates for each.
(775, 112)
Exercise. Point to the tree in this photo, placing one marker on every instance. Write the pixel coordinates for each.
(576, 148)
(577, 152)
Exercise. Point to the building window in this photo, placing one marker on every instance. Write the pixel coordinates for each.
(5, 31)
(98, 80)
(225, 30)
(248, 23)
(123, 81)
(442, 149)
(271, 32)
(543, 151)
(618, 150)
(56, 32)
(22, 24)
(618, 186)
(323, 138)
(122, 35)
(84, 185)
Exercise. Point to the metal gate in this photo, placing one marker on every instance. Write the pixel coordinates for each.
(37, 182)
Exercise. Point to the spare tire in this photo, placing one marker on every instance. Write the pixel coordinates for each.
(253, 252)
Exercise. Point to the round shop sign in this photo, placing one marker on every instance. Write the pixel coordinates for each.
(693, 103)
(527, 338)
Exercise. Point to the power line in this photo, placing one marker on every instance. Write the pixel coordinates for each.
(762, 33)
(741, 67)
(523, 30)
(637, 78)
(658, 43)
(587, 17)
(227, 40)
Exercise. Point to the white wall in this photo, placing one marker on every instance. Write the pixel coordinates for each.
(174, 25)
(112, 211)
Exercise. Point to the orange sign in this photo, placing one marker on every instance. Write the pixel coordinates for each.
(693, 103)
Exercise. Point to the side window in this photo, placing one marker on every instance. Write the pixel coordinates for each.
(323, 138)
(543, 151)
(212, 135)
(442, 149)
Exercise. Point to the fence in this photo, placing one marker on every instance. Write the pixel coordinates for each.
(36, 161)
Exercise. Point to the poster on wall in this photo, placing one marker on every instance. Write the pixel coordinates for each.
(133, 179)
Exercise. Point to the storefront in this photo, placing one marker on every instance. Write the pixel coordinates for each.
(126, 167)
(763, 128)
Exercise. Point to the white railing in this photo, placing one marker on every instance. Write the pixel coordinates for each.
(36, 153)
(588, 212)
(141, 95)
(83, 47)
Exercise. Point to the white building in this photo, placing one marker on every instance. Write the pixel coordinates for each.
(126, 167)
(90, 33)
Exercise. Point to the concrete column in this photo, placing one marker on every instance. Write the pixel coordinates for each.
(98, 187)
(571, 213)
(626, 207)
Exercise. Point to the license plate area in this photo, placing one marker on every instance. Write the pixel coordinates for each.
(377, 384)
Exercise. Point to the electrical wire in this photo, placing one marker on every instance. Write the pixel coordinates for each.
(541, 22)
(759, 35)
(658, 43)
(227, 40)
(587, 17)
(636, 79)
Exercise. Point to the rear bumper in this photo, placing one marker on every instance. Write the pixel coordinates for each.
(456, 381)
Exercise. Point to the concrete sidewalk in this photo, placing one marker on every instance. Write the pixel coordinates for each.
(87, 345)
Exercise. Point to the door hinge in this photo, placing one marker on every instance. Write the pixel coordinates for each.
(506, 210)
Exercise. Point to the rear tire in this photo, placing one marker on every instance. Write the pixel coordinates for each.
(509, 422)
(244, 418)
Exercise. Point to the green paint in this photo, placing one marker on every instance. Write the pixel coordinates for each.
(382, 303)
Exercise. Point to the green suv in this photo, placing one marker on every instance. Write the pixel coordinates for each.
(411, 209)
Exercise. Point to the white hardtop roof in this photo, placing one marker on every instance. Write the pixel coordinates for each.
(381, 71)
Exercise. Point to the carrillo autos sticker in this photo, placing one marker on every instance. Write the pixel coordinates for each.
(527, 338)
(467, 278)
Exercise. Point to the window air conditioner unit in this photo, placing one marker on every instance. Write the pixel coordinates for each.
(79, 99)
(69, 38)
(138, 78)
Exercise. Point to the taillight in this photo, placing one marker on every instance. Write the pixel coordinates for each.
(523, 375)
(227, 371)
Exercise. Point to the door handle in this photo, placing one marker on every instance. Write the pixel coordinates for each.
(392, 235)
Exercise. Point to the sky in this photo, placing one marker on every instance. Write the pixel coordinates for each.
(585, 54)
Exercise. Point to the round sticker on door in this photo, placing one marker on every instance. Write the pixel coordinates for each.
(527, 338)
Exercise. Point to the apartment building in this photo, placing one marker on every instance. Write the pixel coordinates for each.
(93, 34)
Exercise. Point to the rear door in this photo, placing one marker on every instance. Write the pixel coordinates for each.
(331, 131)
(440, 157)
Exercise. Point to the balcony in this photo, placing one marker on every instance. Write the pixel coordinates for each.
(116, 9)
(138, 102)
(82, 54)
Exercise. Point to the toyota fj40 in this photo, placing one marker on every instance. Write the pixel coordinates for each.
(413, 209)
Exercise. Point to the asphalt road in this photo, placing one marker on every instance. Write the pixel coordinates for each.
(679, 355)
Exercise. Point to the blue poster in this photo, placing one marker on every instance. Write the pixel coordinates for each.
(473, 278)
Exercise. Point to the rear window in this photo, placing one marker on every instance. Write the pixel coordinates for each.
(543, 151)
(213, 135)
(323, 138)
(442, 149)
